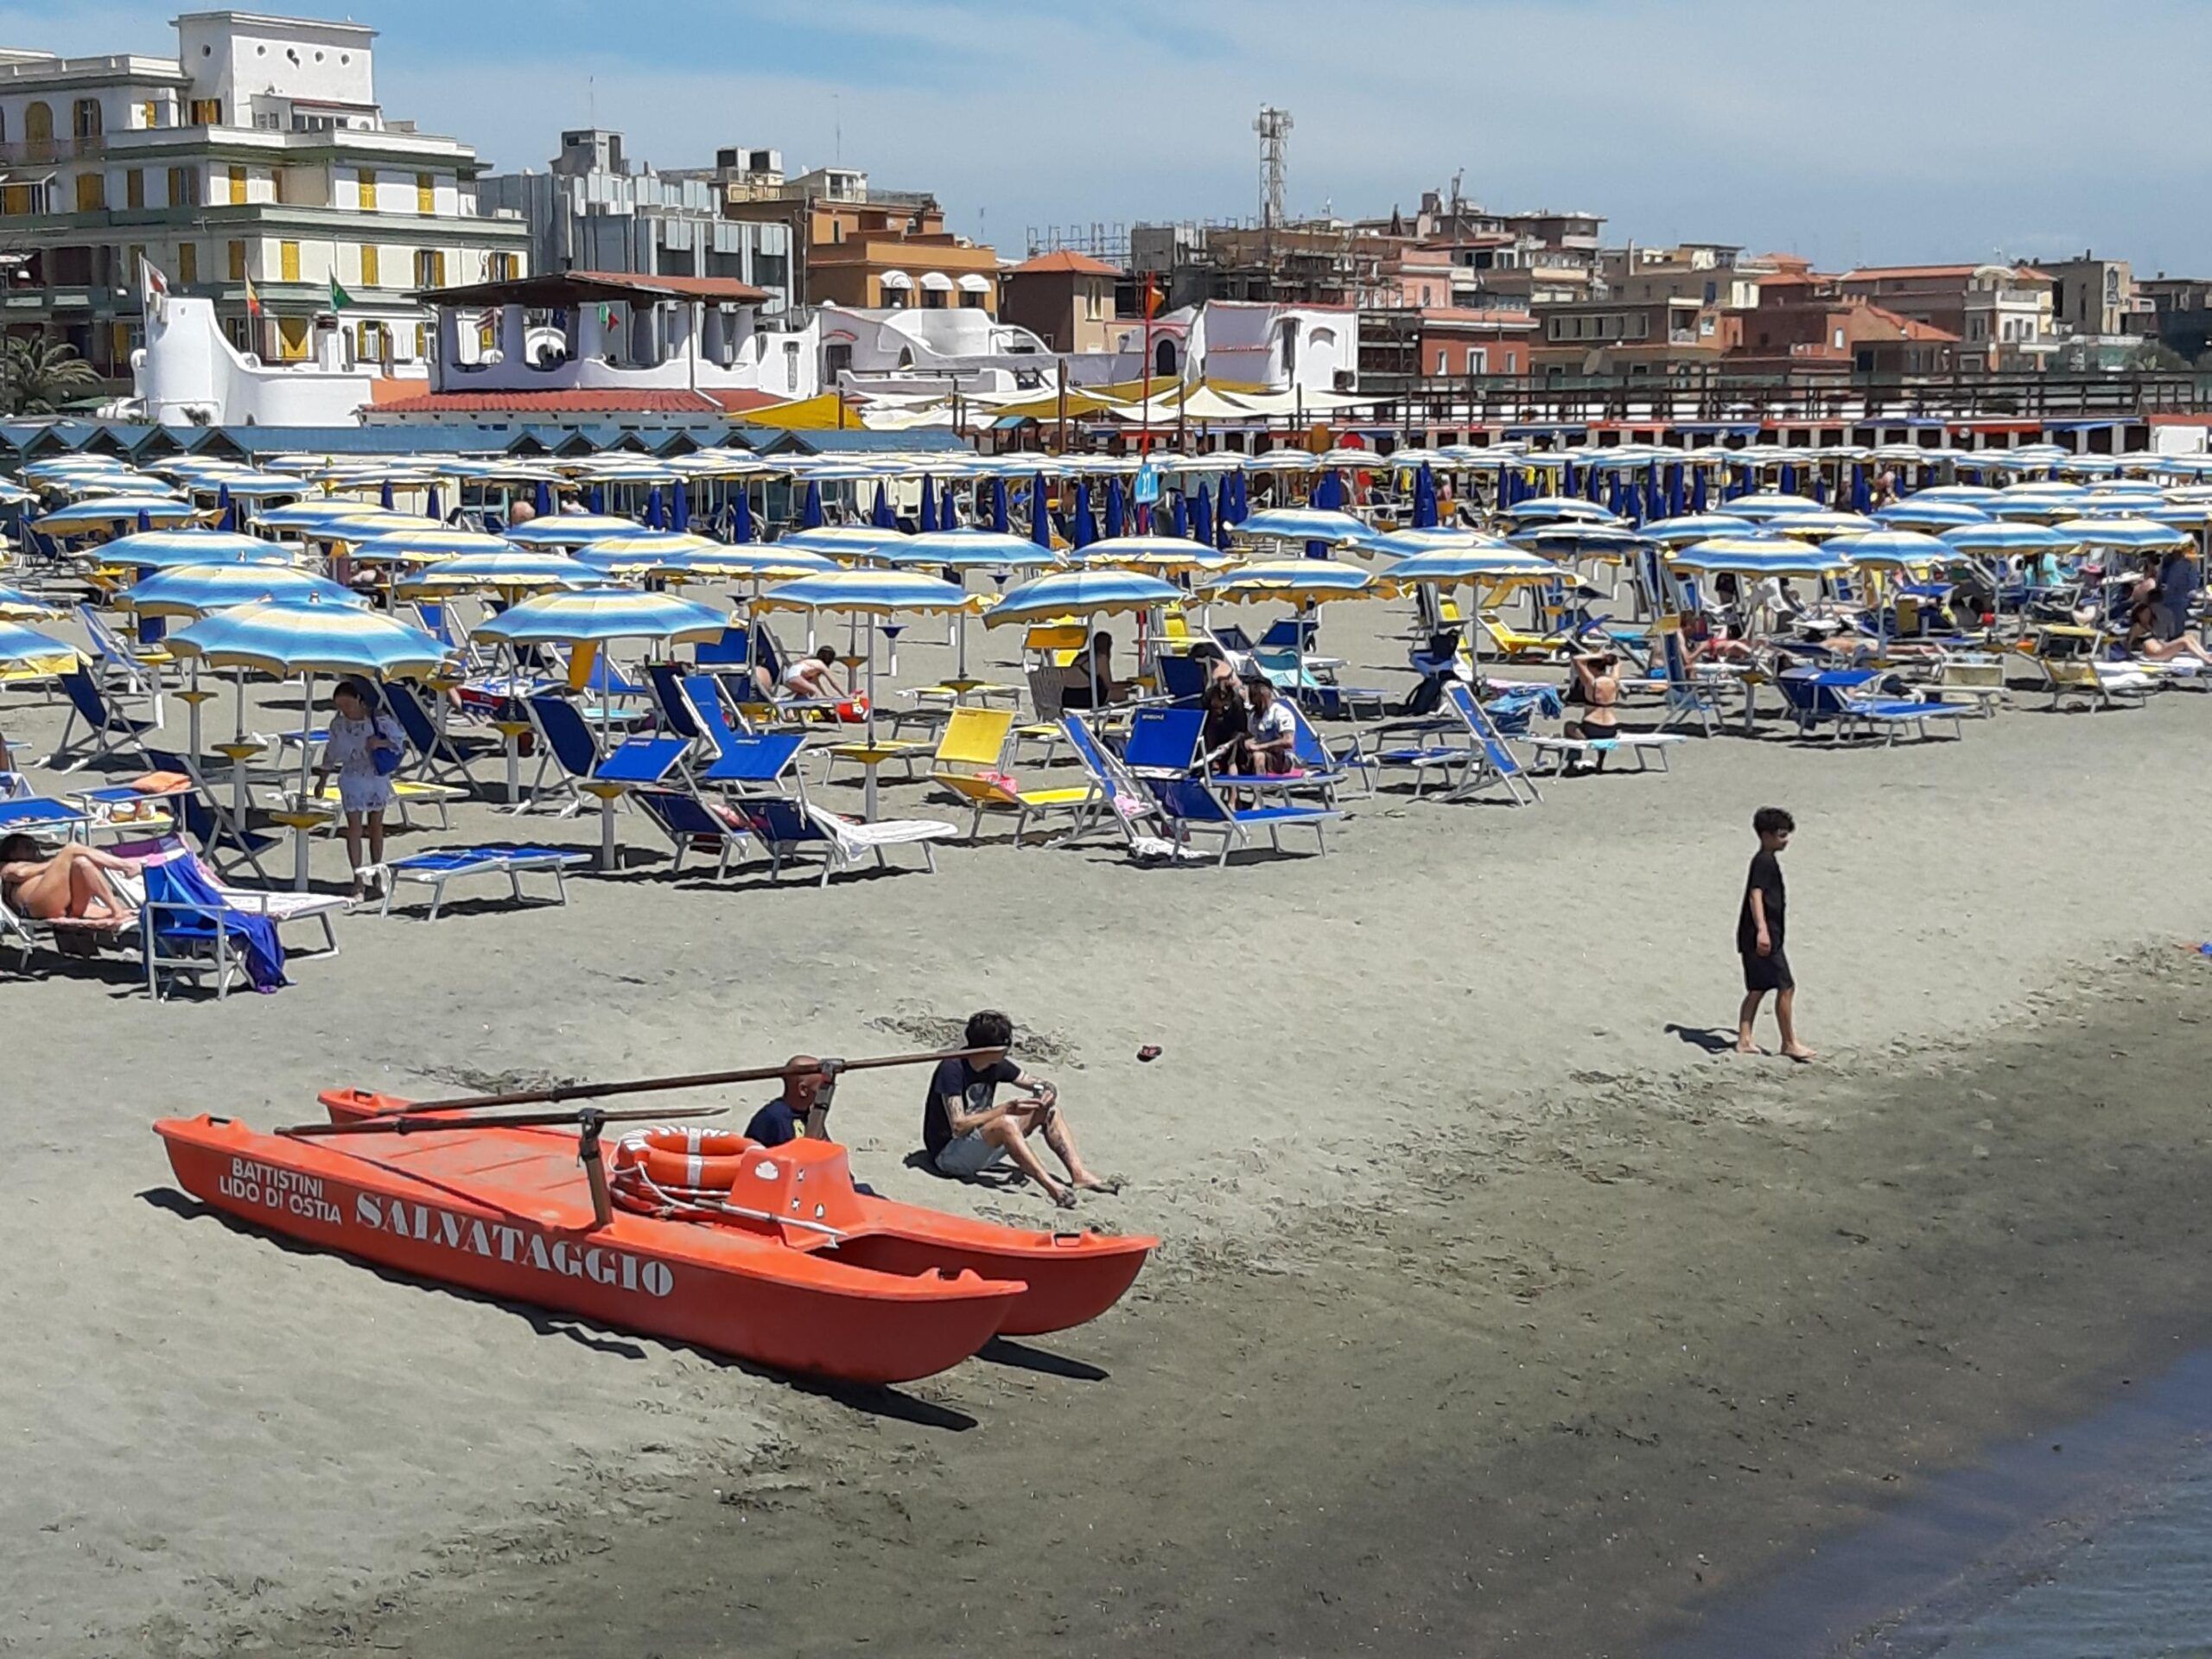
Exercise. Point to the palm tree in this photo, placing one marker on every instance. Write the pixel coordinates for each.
(37, 374)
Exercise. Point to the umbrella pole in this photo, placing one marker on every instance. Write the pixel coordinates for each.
(306, 771)
(194, 739)
(872, 766)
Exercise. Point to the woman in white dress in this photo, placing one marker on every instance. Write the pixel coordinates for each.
(363, 747)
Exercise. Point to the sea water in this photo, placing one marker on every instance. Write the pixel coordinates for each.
(2141, 1585)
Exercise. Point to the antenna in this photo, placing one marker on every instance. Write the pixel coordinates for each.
(1274, 128)
(837, 130)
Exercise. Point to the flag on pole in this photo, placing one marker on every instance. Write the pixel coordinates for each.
(252, 301)
(153, 287)
(340, 299)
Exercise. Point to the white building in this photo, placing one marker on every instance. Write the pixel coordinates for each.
(914, 349)
(258, 154)
(1303, 348)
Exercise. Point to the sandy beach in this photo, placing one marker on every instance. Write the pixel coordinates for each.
(1494, 1313)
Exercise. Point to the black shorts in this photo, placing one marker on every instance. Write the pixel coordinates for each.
(1768, 973)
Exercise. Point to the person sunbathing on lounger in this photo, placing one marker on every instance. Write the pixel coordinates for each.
(1596, 688)
(966, 1129)
(71, 886)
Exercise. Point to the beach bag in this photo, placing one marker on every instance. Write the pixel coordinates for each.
(853, 711)
(386, 761)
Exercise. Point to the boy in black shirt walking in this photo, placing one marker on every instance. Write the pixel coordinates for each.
(1760, 928)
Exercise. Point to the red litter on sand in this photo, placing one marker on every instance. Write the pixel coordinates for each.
(1148, 1054)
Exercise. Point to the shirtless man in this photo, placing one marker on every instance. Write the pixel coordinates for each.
(71, 886)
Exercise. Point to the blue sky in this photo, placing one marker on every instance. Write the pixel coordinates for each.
(1877, 131)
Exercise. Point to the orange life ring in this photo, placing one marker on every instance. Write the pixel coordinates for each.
(681, 1158)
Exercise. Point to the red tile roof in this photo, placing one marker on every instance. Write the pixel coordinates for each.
(1066, 263)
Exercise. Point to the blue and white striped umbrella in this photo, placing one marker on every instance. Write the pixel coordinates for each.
(1772, 503)
(1494, 564)
(1433, 538)
(1759, 557)
(21, 645)
(869, 593)
(599, 615)
(844, 542)
(570, 529)
(1549, 509)
(2003, 536)
(1975, 495)
(200, 589)
(1915, 514)
(1152, 553)
(1301, 525)
(715, 562)
(1891, 549)
(1696, 527)
(13, 494)
(2190, 515)
(509, 570)
(1298, 582)
(166, 549)
(426, 546)
(308, 638)
(244, 486)
(313, 514)
(1106, 591)
(967, 549)
(1819, 524)
(1568, 537)
(99, 511)
(2123, 535)
(16, 605)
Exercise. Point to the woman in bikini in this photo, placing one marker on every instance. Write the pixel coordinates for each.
(1597, 690)
(71, 886)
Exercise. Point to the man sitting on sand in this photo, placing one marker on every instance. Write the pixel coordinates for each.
(798, 1110)
(966, 1129)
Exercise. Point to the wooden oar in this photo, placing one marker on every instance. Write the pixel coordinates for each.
(563, 1091)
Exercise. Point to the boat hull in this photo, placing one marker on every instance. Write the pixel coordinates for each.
(522, 1236)
(1068, 1278)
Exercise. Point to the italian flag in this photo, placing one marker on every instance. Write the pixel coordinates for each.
(340, 299)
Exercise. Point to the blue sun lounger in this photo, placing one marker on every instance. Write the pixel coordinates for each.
(692, 826)
(1189, 806)
(1837, 699)
(437, 867)
(1163, 741)
(108, 730)
(793, 828)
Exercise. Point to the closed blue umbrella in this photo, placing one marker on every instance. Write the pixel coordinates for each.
(1329, 491)
(929, 519)
(1862, 497)
(679, 514)
(145, 519)
(1000, 522)
(1081, 533)
(1613, 494)
(1202, 518)
(1674, 490)
(656, 510)
(1697, 490)
(1425, 513)
(542, 497)
(1651, 507)
(594, 498)
(1821, 489)
(741, 516)
(883, 517)
(1040, 520)
(435, 504)
(1178, 522)
(383, 498)
(809, 516)
(1117, 508)
(1243, 495)
(1571, 481)
(1789, 486)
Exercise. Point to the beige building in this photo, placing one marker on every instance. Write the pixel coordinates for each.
(258, 154)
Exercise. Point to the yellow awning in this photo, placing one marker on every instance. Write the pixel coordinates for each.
(816, 414)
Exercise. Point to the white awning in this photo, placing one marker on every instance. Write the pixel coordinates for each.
(975, 282)
(936, 282)
(895, 279)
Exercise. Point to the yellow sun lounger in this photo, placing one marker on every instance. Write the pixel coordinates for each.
(968, 761)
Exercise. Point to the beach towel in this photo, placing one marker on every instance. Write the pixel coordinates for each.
(178, 881)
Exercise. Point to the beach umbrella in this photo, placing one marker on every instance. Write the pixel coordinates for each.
(2123, 535)
(1891, 549)
(509, 570)
(966, 549)
(434, 505)
(1697, 490)
(16, 605)
(22, 647)
(881, 593)
(1696, 527)
(1757, 556)
(999, 519)
(201, 589)
(926, 518)
(1438, 559)
(1152, 553)
(1117, 509)
(1773, 504)
(656, 512)
(1303, 583)
(159, 549)
(1081, 532)
(679, 511)
(1179, 523)
(307, 638)
(426, 546)
(383, 497)
(1932, 516)
(95, 512)
(541, 498)
(810, 512)
(1091, 592)
(741, 516)
(1541, 509)
(883, 517)
(1202, 518)
(1819, 525)
(1425, 512)
(570, 529)
(847, 543)
(1301, 525)
(1040, 521)
(595, 499)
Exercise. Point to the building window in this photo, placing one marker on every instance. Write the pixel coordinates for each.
(371, 266)
(18, 198)
(38, 132)
(429, 267)
(238, 187)
(291, 338)
(149, 114)
(238, 262)
(85, 118)
(187, 263)
(288, 261)
(371, 342)
(365, 187)
(971, 299)
(184, 187)
(501, 267)
(134, 188)
(206, 112)
(92, 191)
(426, 193)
